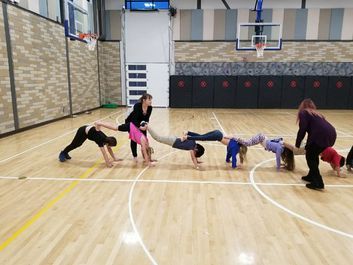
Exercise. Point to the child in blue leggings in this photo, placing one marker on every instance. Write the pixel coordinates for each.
(233, 146)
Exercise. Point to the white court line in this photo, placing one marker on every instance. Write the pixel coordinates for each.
(254, 184)
(219, 124)
(131, 216)
(164, 181)
(51, 140)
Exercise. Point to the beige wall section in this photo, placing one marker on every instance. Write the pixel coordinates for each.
(115, 25)
(347, 29)
(312, 30)
(324, 24)
(176, 26)
(291, 52)
(208, 24)
(219, 24)
(185, 24)
(110, 72)
(40, 71)
(6, 111)
(289, 24)
(83, 76)
(243, 17)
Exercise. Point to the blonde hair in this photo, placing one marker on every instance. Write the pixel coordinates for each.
(309, 106)
(242, 152)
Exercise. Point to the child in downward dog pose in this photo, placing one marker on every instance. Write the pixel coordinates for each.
(94, 134)
(336, 161)
(233, 146)
(196, 150)
(135, 135)
(282, 150)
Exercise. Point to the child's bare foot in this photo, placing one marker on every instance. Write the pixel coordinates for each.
(135, 159)
(183, 138)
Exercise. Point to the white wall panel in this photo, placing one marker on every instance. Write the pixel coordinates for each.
(147, 37)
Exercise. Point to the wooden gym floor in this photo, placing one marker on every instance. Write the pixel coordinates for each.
(80, 212)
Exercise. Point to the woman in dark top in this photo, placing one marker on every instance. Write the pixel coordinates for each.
(91, 133)
(142, 112)
(321, 134)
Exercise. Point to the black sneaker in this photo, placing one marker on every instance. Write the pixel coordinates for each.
(62, 157)
(307, 179)
(67, 156)
(315, 187)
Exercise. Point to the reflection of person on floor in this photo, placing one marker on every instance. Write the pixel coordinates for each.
(135, 135)
(336, 161)
(233, 146)
(196, 150)
(94, 134)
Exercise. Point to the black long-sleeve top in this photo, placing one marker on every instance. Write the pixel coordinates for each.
(137, 115)
(320, 131)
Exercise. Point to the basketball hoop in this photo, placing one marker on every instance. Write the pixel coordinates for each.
(260, 47)
(91, 40)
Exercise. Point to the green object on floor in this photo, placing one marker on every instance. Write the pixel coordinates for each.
(110, 106)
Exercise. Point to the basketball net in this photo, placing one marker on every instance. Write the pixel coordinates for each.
(91, 40)
(260, 47)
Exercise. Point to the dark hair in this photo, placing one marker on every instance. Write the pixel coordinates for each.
(145, 96)
(342, 161)
(288, 159)
(243, 149)
(111, 141)
(199, 150)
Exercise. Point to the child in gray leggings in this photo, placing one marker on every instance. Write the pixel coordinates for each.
(196, 150)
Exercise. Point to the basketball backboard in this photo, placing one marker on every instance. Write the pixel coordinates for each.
(78, 18)
(249, 34)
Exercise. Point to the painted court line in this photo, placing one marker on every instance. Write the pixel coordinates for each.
(51, 203)
(205, 182)
(219, 124)
(325, 227)
(47, 207)
(51, 140)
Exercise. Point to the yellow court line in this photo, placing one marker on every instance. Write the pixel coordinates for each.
(51, 203)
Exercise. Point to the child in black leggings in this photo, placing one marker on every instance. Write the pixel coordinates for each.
(349, 160)
(91, 133)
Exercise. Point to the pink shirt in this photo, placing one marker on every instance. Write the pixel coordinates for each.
(136, 134)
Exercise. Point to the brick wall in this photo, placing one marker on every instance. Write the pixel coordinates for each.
(110, 72)
(291, 52)
(40, 72)
(84, 77)
(6, 112)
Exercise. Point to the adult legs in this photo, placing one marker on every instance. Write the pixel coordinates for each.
(312, 159)
(133, 146)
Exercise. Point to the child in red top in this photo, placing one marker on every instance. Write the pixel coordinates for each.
(331, 156)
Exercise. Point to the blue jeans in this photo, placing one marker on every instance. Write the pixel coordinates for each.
(215, 135)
